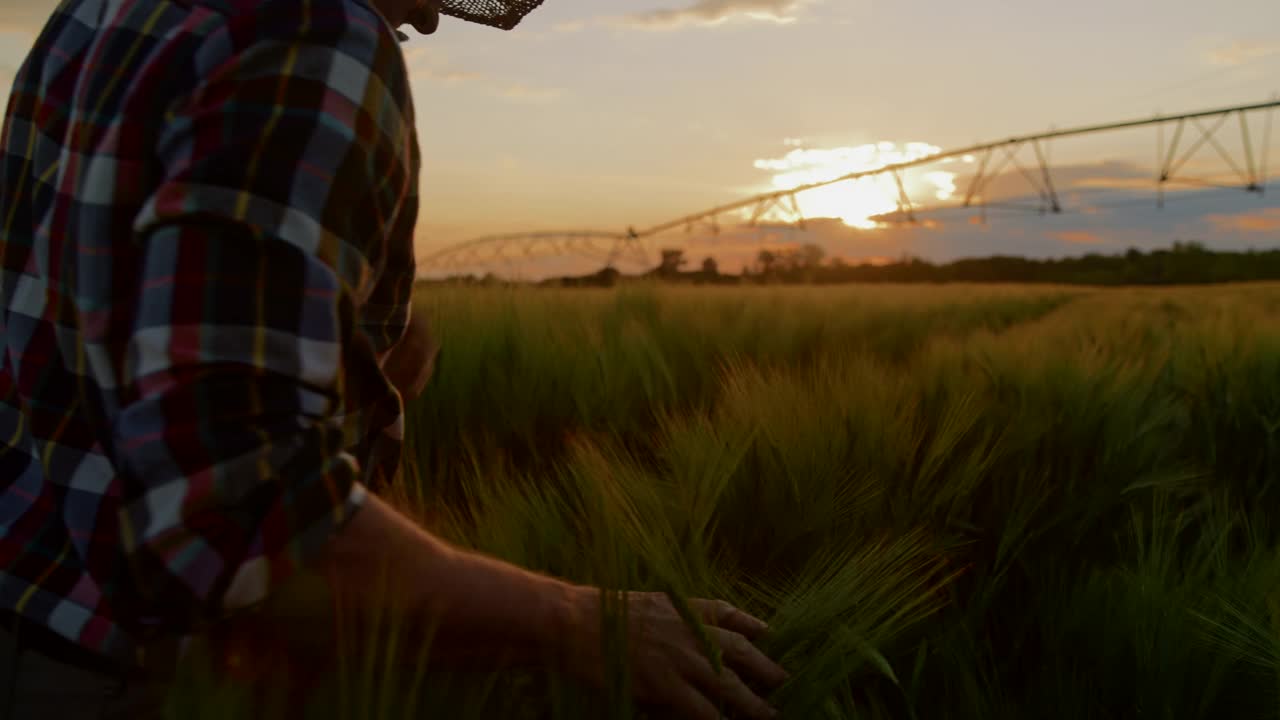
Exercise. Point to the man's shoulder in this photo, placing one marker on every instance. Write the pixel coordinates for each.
(353, 25)
(233, 8)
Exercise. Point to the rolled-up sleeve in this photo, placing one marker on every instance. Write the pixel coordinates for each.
(289, 180)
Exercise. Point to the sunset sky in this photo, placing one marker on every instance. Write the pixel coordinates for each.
(609, 114)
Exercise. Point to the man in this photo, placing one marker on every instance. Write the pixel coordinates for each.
(206, 221)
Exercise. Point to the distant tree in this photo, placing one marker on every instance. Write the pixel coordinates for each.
(672, 261)
(710, 268)
(607, 277)
(768, 261)
(811, 256)
(1181, 263)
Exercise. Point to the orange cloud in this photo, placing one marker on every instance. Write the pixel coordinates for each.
(1241, 53)
(715, 12)
(875, 260)
(1114, 183)
(1079, 237)
(1267, 220)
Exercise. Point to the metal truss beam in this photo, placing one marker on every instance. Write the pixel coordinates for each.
(1009, 145)
(505, 249)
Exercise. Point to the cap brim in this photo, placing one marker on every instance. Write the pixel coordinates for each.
(503, 14)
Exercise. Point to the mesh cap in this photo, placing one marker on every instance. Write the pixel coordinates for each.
(504, 14)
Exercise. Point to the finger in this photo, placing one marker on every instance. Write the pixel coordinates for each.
(729, 688)
(691, 704)
(722, 614)
(738, 652)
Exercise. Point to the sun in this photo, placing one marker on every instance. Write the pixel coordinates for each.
(858, 202)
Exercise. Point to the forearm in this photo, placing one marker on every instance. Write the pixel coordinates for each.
(471, 608)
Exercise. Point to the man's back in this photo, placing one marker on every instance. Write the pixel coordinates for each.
(167, 166)
(206, 215)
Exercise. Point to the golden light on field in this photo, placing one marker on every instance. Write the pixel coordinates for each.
(856, 203)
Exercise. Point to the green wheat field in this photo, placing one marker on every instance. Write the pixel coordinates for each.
(977, 502)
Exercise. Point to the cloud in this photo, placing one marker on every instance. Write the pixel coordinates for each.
(1115, 183)
(1079, 237)
(1189, 215)
(715, 12)
(571, 26)
(449, 76)
(1110, 175)
(517, 91)
(1241, 53)
(1094, 220)
(1225, 219)
(1260, 221)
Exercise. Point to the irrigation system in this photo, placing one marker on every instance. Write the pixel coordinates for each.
(1179, 138)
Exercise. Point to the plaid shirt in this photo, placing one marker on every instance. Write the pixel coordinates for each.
(206, 216)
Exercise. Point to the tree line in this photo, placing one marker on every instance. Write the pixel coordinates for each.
(1184, 263)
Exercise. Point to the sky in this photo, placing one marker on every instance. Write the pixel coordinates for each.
(613, 114)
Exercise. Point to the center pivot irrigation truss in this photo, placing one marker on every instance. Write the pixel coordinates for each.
(507, 251)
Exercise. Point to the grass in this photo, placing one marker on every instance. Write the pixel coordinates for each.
(949, 502)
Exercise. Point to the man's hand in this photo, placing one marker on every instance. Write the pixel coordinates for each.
(410, 363)
(485, 612)
(666, 660)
